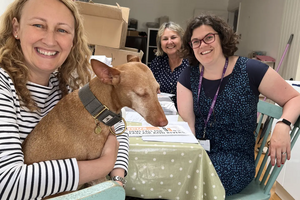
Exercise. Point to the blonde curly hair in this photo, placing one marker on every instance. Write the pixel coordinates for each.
(74, 72)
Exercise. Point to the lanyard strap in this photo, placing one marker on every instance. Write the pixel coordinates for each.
(215, 97)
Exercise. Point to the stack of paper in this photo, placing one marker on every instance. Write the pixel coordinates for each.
(167, 104)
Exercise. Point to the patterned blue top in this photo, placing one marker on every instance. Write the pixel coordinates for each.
(231, 126)
(164, 76)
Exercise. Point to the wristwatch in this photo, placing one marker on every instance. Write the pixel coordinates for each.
(119, 178)
(287, 122)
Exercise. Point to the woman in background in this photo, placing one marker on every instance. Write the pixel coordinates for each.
(168, 64)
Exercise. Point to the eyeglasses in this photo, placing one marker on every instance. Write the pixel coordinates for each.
(208, 39)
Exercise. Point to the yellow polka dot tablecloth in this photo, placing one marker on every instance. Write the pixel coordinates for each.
(175, 171)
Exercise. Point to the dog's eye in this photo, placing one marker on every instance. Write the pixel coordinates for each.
(141, 92)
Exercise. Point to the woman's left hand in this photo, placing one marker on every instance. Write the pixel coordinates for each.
(280, 145)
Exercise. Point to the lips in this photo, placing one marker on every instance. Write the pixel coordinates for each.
(46, 53)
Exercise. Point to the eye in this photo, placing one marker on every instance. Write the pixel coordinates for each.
(209, 38)
(38, 25)
(195, 42)
(62, 30)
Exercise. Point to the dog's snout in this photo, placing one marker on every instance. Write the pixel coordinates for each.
(163, 122)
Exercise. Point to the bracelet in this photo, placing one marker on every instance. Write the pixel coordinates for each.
(287, 122)
(119, 178)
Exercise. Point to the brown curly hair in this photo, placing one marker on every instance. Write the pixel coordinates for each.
(74, 72)
(229, 39)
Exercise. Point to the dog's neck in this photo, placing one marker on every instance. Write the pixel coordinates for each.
(99, 110)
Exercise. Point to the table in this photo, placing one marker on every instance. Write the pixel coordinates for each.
(178, 171)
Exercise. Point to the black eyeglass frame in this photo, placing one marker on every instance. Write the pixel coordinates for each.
(202, 40)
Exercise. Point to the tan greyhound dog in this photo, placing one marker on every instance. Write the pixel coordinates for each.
(75, 127)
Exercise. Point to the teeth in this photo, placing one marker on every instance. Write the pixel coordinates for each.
(46, 53)
(205, 52)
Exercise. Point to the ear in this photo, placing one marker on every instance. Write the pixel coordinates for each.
(16, 27)
(131, 58)
(106, 74)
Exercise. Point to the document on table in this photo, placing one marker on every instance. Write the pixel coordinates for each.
(170, 133)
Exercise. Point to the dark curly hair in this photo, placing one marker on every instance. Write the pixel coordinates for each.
(229, 39)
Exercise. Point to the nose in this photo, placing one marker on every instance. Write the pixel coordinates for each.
(49, 38)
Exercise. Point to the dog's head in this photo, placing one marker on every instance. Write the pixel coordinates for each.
(134, 86)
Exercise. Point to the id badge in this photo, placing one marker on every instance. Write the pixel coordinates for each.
(205, 144)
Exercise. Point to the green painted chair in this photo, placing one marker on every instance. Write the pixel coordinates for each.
(108, 190)
(259, 188)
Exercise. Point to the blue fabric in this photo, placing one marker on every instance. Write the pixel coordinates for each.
(231, 126)
(255, 69)
(164, 76)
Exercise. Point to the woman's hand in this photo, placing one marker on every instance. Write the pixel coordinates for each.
(98, 168)
(280, 145)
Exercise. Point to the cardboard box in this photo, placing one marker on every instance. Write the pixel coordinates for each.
(133, 33)
(119, 56)
(105, 25)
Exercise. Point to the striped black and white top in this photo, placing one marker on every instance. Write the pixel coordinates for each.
(21, 181)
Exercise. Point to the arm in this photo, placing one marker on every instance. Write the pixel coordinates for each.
(91, 169)
(21, 181)
(18, 180)
(121, 165)
(274, 87)
(185, 105)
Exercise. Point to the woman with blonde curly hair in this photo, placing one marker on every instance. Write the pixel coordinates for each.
(218, 97)
(44, 56)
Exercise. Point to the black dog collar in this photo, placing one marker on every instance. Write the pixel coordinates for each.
(96, 108)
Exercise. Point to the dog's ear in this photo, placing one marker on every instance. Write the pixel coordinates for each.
(131, 58)
(106, 74)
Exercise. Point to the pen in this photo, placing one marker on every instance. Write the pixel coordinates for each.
(298, 85)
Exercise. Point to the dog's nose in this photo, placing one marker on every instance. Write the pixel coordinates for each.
(163, 122)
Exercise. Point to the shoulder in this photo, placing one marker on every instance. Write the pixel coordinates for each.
(255, 66)
(159, 59)
(185, 74)
(5, 80)
(185, 62)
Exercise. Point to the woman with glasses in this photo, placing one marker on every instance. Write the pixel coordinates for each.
(218, 95)
(168, 64)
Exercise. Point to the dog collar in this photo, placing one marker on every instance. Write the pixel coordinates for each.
(96, 108)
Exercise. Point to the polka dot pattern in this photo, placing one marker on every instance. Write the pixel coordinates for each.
(178, 172)
(230, 128)
(164, 76)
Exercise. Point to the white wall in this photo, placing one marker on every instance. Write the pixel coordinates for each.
(178, 11)
(267, 25)
(259, 25)
(3, 5)
(290, 67)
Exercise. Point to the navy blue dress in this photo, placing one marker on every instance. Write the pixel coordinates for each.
(231, 126)
(164, 76)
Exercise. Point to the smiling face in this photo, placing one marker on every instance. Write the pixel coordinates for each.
(46, 31)
(170, 42)
(207, 54)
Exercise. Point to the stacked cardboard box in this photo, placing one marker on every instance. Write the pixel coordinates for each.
(106, 28)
